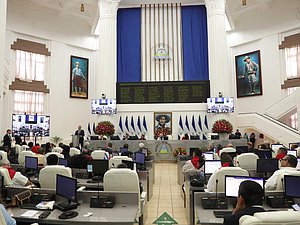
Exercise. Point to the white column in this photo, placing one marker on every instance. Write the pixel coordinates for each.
(218, 48)
(3, 10)
(107, 53)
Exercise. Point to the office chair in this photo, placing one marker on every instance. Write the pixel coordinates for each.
(247, 161)
(116, 160)
(5, 174)
(126, 180)
(25, 148)
(18, 149)
(52, 153)
(22, 155)
(277, 217)
(74, 151)
(100, 154)
(57, 149)
(3, 154)
(220, 176)
(47, 177)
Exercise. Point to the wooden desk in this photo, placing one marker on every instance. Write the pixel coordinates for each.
(124, 212)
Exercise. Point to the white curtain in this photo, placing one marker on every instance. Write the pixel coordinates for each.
(292, 59)
(28, 102)
(30, 66)
(161, 29)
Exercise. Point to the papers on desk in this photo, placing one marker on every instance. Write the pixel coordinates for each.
(30, 214)
(45, 205)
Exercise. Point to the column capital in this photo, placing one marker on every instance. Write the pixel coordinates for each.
(215, 7)
(108, 9)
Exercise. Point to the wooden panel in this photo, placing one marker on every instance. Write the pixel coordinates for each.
(30, 46)
(293, 82)
(290, 41)
(37, 86)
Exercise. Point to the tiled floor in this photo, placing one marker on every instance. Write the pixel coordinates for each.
(166, 195)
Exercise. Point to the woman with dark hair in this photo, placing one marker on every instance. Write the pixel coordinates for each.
(79, 161)
(252, 139)
(66, 151)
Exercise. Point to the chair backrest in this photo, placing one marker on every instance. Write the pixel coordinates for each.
(7, 180)
(47, 177)
(99, 154)
(57, 149)
(2, 218)
(298, 151)
(74, 151)
(122, 179)
(277, 217)
(52, 153)
(3, 154)
(18, 149)
(247, 161)
(116, 160)
(220, 176)
(280, 178)
(25, 148)
(22, 155)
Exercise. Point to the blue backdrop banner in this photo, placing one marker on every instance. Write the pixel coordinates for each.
(129, 45)
(195, 43)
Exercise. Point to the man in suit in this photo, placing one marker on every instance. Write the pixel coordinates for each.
(7, 139)
(249, 201)
(80, 134)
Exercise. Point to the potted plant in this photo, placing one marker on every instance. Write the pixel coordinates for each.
(56, 139)
(222, 127)
(105, 128)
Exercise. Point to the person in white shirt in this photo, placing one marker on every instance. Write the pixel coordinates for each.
(288, 164)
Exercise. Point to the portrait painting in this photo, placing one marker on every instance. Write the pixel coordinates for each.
(162, 124)
(79, 70)
(248, 74)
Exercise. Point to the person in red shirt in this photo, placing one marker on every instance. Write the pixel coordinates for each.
(281, 153)
(198, 159)
(185, 137)
(35, 148)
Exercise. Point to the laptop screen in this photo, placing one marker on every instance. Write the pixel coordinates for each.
(292, 152)
(208, 156)
(232, 184)
(210, 166)
(292, 184)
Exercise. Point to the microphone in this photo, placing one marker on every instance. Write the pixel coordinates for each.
(216, 201)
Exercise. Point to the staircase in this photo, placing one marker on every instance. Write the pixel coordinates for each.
(268, 126)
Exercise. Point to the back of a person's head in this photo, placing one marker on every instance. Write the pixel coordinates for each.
(125, 146)
(122, 165)
(252, 193)
(66, 149)
(292, 160)
(141, 145)
(226, 158)
(109, 144)
(30, 144)
(52, 159)
(282, 150)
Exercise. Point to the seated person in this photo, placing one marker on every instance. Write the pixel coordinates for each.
(40, 155)
(7, 217)
(126, 136)
(16, 177)
(79, 161)
(185, 137)
(109, 148)
(288, 163)
(143, 137)
(142, 148)
(281, 153)
(249, 201)
(196, 163)
(52, 160)
(226, 161)
(162, 137)
(35, 148)
(66, 151)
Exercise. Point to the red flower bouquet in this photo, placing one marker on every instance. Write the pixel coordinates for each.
(222, 126)
(105, 128)
(179, 151)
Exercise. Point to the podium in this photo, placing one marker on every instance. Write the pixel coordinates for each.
(75, 140)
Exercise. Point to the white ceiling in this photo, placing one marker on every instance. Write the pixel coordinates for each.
(236, 12)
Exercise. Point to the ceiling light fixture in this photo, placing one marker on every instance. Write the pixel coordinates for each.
(244, 2)
(82, 8)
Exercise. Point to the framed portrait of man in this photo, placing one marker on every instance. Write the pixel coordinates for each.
(162, 125)
(248, 74)
(79, 70)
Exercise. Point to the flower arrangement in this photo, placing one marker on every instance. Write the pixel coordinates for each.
(179, 151)
(164, 131)
(222, 126)
(105, 128)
